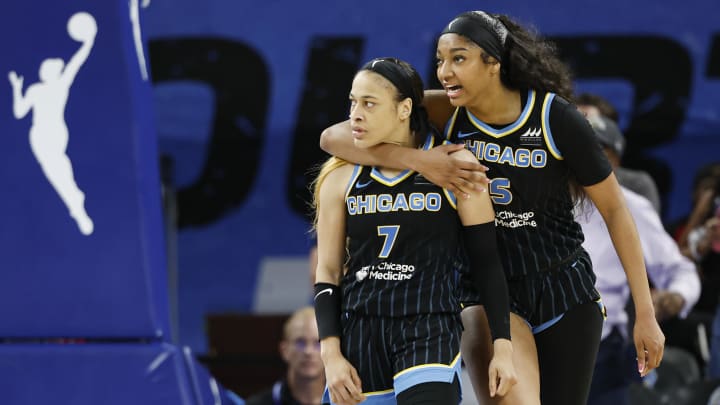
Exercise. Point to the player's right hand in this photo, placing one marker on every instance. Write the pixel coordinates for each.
(343, 381)
(456, 175)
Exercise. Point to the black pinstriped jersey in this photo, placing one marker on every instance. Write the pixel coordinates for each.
(403, 244)
(531, 163)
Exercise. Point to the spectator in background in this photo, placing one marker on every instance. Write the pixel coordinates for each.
(300, 349)
(703, 183)
(696, 235)
(589, 101)
(613, 143)
(705, 191)
(708, 262)
(699, 238)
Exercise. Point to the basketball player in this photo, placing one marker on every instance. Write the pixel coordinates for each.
(507, 94)
(389, 326)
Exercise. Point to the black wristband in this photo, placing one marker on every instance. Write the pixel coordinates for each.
(327, 310)
(488, 277)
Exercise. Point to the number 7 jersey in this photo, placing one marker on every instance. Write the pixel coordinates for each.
(403, 238)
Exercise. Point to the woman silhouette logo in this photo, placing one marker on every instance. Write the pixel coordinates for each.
(49, 133)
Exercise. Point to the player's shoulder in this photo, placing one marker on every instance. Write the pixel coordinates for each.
(339, 177)
(559, 100)
(561, 105)
(565, 116)
(344, 170)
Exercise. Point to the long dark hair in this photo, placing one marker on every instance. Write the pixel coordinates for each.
(532, 62)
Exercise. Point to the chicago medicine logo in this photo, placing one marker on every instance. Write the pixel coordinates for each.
(386, 271)
(49, 133)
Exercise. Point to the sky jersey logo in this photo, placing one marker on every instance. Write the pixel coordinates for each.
(532, 137)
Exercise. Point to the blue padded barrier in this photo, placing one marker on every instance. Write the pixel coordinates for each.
(81, 244)
(108, 374)
(206, 389)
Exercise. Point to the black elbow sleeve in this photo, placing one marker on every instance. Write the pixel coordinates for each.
(488, 276)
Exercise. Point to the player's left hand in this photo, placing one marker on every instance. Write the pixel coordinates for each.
(649, 343)
(501, 370)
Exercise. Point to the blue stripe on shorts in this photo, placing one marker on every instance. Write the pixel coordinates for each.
(425, 373)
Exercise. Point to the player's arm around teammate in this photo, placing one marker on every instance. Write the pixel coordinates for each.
(457, 175)
(478, 218)
(342, 378)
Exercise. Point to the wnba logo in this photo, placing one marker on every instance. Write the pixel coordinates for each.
(49, 134)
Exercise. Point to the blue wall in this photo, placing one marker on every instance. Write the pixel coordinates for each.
(242, 90)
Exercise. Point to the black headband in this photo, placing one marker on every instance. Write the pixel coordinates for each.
(485, 30)
(391, 69)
